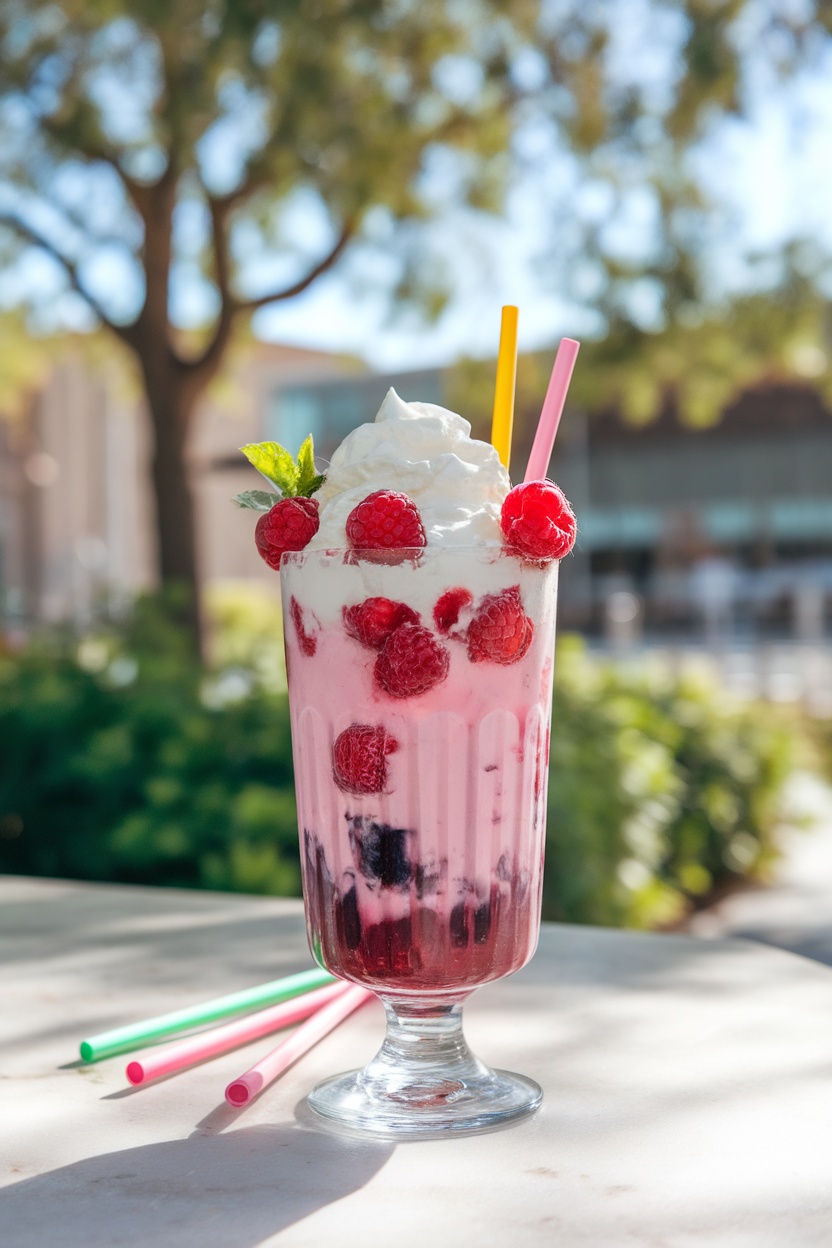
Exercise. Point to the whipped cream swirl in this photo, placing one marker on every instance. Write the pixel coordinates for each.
(426, 452)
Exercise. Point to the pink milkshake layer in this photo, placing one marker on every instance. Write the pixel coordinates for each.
(434, 881)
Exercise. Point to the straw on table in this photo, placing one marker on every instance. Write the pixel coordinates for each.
(136, 1035)
(169, 1058)
(252, 1083)
(552, 411)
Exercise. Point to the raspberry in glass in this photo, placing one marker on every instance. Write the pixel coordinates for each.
(538, 521)
(500, 632)
(448, 606)
(290, 525)
(359, 759)
(383, 524)
(307, 640)
(411, 662)
(372, 621)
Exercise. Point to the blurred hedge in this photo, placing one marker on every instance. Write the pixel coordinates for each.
(121, 760)
(663, 792)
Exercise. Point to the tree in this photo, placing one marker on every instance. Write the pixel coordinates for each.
(677, 307)
(121, 116)
(685, 308)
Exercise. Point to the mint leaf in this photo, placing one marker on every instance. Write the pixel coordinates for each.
(275, 463)
(312, 486)
(256, 500)
(309, 480)
(306, 461)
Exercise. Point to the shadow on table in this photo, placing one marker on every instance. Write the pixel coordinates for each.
(807, 942)
(230, 1190)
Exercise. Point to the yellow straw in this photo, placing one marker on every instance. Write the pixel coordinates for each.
(504, 389)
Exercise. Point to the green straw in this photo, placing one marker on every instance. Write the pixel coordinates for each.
(124, 1039)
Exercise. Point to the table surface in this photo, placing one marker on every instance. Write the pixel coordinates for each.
(688, 1093)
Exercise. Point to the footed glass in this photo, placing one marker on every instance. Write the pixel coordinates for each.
(420, 697)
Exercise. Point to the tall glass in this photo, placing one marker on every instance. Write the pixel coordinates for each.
(422, 814)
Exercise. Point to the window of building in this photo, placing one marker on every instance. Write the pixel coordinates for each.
(292, 416)
(329, 410)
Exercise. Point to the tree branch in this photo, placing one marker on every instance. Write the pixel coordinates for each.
(204, 365)
(288, 292)
(220, 210)
(26, 231)
(257, 178)
(96, 153)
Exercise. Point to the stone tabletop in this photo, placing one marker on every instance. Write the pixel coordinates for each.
(688, 1094)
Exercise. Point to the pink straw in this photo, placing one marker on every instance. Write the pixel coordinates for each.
(172, 1057)
(552, 411)
(249, 1085)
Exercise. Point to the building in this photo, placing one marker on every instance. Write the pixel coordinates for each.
(76, 505)
(725, 531)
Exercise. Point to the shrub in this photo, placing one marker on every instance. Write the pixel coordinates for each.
(123, 761)
(661, 793)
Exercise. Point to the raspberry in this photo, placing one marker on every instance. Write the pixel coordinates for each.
(372, 621)
(537, 521)
(308, 642)
(386, 522)
(448, 606)
(359, 759)
(411, 662)
(500, 632)
(290, 525)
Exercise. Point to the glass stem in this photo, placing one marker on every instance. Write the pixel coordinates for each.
(424, 1059)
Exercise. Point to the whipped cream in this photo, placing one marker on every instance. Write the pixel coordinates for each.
(426, 452)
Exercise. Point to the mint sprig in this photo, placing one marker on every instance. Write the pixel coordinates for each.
(292, 478)
(256, 500)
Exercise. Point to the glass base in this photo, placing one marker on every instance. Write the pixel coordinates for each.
(424, 1082)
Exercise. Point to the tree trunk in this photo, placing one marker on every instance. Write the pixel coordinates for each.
(171, 390)
(171, 405)
(173, 384)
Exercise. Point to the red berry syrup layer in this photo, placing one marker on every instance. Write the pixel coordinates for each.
(429, 948)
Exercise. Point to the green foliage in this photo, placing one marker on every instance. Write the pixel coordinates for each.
(23, 365)
(246, 628)
(704, 361)
(348, 120)
(700, 367)
(356, 122)
(661, 793)
(820, 744)
(123, 761)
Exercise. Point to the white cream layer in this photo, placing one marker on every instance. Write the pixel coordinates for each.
(426, 452)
